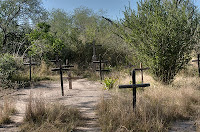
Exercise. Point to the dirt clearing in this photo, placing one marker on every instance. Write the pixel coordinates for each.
(84, 96)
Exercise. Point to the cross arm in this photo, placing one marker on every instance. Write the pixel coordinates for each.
(140, 69)
(58, 69)
(67, 66)
(195, 60)
(33, 63)
(99, 61)
(99, 45)
(103, 70)
(54, 60)
(26, 63)
(135, 85)
(74, 78)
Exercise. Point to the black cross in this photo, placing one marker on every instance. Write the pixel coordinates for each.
(30, 66)
(94, 58)
(56, 61)
(198, 61)
(61, 69)
(100, 67)
(134, 86)
(141, 69)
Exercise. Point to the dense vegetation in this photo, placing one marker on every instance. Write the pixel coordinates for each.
(162, 34)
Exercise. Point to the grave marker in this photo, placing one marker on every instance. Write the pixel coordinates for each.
(141, 69)
(61, 69)
(94, 58)
(30, 66)
(134, 86)
(70, 78)
(198, 61)
(100, 62)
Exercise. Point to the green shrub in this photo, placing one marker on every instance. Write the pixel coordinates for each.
(109, 83)
(9, 66)
(162, 32)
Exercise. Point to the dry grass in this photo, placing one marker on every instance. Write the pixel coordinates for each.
(157, 106)
(7, 108)
(41, 116)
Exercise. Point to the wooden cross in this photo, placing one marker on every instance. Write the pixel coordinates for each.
(100, 62)
(198, 61)
(30, 66)
(61, 69)
(70, 78)
(134, 86)
(141, 69)
(56, 61)
(94, 58)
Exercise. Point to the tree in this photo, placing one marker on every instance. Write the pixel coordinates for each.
(92, 27)
(162, 33)
(78, 31)
(14, 13)
(43, 43)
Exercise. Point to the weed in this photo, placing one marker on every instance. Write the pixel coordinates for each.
(109, 83)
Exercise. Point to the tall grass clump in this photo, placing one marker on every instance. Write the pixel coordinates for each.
(157, 107)
(43, 116)
(7, 108)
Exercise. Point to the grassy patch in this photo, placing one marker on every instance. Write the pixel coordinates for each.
(157, 107)
(7, 108)
(42, 116)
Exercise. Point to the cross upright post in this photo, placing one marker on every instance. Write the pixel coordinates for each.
(100, 62)
(198, 62)
(94, 58)
(141, 72)
(61, 70)
(100, 69)
(30, 67)
(134, 86)
(70, 78)
(141, 69)
(61, 77)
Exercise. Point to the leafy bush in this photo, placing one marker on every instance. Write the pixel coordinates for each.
(163, 34)
(109, 83)
(9, 66)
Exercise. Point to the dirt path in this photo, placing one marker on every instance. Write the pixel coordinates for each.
(184, 126)
(84, 95)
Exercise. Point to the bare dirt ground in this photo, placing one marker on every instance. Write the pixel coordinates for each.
(84, 95)
(184, 126)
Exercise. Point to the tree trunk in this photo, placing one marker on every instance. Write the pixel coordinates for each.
(4, 42)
